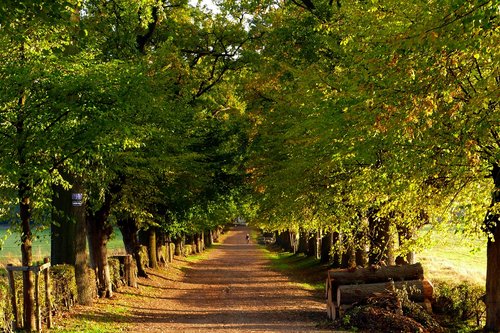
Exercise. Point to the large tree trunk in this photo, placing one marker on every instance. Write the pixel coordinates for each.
(208, 238)
(130, 231)
(336, 253)
(153, 259)
(348, 256)
(380, 240)
(99, 233)
(313, 245)
(27, 257)
(303, 246)
(326, 248)
(63, 228)
(492, 222)
(69, 236)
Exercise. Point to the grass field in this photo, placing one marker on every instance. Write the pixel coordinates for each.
(453, 257)
(10, 251)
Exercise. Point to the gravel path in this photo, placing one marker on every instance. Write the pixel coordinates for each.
(233, 290)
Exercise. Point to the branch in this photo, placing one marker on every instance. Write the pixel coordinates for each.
(142, 40)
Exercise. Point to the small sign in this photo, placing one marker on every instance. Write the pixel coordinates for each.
(77, 199)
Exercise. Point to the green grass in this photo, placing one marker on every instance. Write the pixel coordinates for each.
(305, 272)
(453, 257)
(111, 319)
(10, 247)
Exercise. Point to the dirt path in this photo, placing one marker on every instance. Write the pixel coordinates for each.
(233, 290)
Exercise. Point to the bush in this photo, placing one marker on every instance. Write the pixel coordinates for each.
(462, 303)
(188, 250)
(6, 316)
(114, 272)
(64, 292)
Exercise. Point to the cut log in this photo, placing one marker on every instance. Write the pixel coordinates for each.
(380, 274)
(418, 291)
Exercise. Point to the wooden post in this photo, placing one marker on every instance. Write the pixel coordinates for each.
(48, 301)
(37, 302)
(12, 285)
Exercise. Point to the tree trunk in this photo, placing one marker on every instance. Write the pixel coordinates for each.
(492, 223)
(362, 243)
(336, 259)
(130, 231)
(63, 228)
(303, 246)
(326, 248)
(313, 245)
(84, 282)
(380, 240)
(382, 274)
(202, 240)
(208, 238)
(100, 232)
(349, 256)
(285, 241)
(179, 244)
(27, 257)
(153, 259)
(69, 236)
(418, 291)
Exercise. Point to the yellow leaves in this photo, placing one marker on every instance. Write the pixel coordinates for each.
(346, 40)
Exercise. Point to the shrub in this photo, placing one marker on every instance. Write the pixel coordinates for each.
(6, 316)
(462, 303)
(114, 272)
(64, 292)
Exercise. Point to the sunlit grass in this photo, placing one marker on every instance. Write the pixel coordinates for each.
(10, 251)
(305, 271)
(456, 258)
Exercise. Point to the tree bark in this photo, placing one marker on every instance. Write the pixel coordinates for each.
(27, 257)
(130, 231)
(83, 280)
(69, 236)
(492, 223)
(381, 274)
(179, 244)
(336, 259)
(303, 242)
(380, 240)
(208, 238)
(153, 259)
(326, 248)
(313, 245)
(99, 233)
(418, 291)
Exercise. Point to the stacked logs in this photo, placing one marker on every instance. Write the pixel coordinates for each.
(345, 287)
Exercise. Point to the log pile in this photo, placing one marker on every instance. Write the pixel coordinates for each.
(347, 287)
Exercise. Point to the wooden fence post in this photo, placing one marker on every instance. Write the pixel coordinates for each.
(37, 302)
(12, 285)
(48, 301)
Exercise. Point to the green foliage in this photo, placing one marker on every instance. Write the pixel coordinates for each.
(64, 293)
(6, 315)
(114, 272)
(462, 303)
